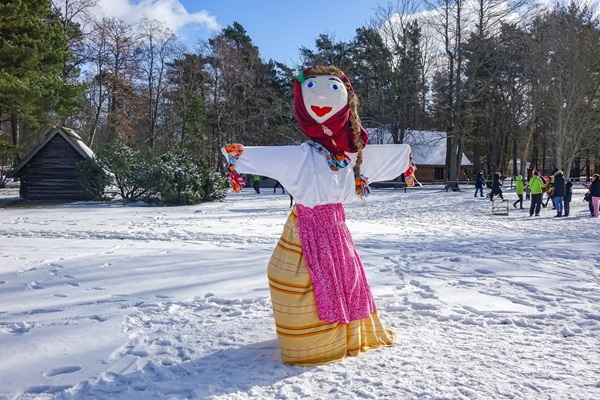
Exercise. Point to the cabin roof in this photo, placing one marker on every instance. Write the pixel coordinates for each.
(428, 147)
(68, 134)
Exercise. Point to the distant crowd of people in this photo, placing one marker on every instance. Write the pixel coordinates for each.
(557, 188)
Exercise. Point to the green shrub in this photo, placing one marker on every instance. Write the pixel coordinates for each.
(92, 178)
(185, 181)
(171, 179)
(7, 154)
(136, 174)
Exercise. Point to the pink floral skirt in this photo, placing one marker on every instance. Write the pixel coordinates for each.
(341, 289)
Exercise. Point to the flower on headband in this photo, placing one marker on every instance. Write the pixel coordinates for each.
(301, 77)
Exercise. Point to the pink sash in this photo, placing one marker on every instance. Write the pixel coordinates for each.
(340, 285)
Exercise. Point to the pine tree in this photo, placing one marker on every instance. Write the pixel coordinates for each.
(32, 54)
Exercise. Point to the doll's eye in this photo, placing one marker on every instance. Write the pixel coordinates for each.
(310, 84)
(335, 86)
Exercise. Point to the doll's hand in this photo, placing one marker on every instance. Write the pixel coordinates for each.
(232, 152)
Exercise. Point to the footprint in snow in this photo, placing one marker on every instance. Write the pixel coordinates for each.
(45, 389)
(62, 370)
(484, 271)
(45, 311)
(98, 318)
(34, 285)
(19, 327)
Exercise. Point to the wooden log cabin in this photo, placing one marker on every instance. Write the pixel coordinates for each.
(48, 172)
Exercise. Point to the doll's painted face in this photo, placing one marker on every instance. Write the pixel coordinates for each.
(324, 96)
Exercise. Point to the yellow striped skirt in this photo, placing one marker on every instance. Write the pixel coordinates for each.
(304, 339)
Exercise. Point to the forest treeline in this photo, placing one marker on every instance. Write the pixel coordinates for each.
(509, 82)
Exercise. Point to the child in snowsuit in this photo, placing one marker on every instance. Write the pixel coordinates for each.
(479, 184)
(519, 189)
(256, 184)
(568, 197)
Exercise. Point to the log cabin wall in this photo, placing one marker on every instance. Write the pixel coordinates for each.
(51, 174)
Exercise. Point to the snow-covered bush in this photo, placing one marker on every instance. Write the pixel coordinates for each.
(186, 181)
(7, 151)
(92, 179)
(136, 174)
(171, 179)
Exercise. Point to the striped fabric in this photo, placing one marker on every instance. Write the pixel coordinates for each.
(303, 338)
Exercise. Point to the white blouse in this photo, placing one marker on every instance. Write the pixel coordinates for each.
(303, 171)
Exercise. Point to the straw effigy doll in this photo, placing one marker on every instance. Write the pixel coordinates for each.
(323, 306)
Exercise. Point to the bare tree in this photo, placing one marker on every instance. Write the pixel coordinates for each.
(157, 44)
(404, 91)
(75, 15)
(572, 96)
(111, 96)
(458, 22)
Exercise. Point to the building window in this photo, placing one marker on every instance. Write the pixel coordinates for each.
(439, 174)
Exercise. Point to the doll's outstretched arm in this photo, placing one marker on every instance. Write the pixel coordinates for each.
(385, 162)
(281, 163)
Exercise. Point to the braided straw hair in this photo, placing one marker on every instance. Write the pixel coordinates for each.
(354, 120)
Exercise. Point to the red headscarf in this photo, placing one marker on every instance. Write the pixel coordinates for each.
(342, 139)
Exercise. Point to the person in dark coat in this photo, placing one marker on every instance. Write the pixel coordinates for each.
(595, 192)
(559, 190)
(550, 193)
(277, 184)
(479, 184)
(496, 187)
(568, 197)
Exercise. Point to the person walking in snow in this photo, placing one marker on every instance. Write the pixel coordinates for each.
(496, 186)
(595, 193)
(519, 189)
(568, 197)
(559, 190)
(550, 190)
(277, 184)
(479, 184)
(536, 185)
(256, 183)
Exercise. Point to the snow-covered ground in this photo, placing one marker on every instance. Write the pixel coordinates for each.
(105, 301)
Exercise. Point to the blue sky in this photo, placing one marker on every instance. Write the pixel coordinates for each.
(277, 27)
(280, 27)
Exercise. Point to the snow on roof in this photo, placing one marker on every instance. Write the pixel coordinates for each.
(77, 140)
(429, 147)
(68, 134)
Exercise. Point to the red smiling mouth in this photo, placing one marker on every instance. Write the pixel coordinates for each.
(320, 111)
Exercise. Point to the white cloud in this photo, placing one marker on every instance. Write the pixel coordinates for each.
(171, 12)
